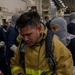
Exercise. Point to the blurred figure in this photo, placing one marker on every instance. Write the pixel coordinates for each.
(11, 38)
(71, 25)
(59, 27)
(4, 25)
(47, 22)
(3, 63)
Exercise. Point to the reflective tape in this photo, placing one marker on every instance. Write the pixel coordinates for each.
(15, 69)
(36, 72)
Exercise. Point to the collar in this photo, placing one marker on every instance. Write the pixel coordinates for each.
(42, 36)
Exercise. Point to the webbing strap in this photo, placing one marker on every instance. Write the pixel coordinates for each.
(35, 72)
(15, 69)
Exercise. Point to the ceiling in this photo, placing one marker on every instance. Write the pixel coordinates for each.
(70, 4)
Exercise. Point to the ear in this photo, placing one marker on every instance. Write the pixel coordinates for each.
(39, 27)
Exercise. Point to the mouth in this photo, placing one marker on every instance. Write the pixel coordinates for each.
(27, 42)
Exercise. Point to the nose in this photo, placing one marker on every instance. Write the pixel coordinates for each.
(25, 38)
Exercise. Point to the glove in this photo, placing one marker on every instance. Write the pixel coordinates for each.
(13, 48)
(2, 44)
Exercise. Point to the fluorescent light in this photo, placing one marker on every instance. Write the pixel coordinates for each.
(62, 3)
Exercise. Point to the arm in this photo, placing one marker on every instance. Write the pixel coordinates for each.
(63, 58)
(16, 68)
(12, 35)
(2, 37)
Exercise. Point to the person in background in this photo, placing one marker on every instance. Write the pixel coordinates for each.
(34, 38)
(59, 27)
(71, 25)
(11, 36)
(3, 63)
(47, 22)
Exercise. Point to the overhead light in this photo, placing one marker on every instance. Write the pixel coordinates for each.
(66, 7)
(62, 3)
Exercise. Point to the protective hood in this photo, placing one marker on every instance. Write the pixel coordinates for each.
(14, 19)
(62, 33)
(72, 17)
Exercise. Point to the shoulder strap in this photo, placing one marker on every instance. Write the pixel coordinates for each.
(49, 53)
(22, 54)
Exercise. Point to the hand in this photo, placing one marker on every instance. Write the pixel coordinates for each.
(2, 44)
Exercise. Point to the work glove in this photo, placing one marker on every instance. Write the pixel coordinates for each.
(2, 44)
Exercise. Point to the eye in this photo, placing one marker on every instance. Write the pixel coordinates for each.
(53, 28)
(28, 34)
